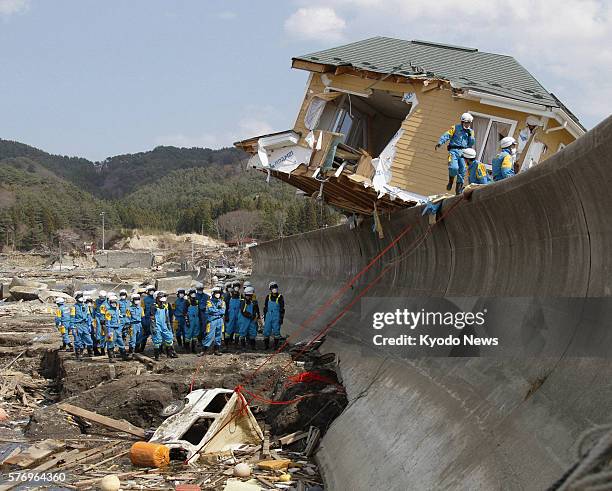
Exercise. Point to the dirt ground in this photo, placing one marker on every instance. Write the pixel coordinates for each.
(35, 375)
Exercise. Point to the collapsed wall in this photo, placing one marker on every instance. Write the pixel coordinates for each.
(469, 423)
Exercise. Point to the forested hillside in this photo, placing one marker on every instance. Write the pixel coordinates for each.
(172, 189)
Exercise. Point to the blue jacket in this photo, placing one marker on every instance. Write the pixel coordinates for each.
(63, 317)
(147, 303)
(113, 317)
(179, 309)
(503, 165)
(133, 314)
(458, 137)
(80, 314)
(477, 173)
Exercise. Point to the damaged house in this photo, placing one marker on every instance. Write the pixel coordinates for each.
(373, 111)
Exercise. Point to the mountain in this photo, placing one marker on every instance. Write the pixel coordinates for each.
(167, 188)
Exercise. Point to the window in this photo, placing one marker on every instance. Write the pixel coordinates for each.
(351, 123)
(488, 131)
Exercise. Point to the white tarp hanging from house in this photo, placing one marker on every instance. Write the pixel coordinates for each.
(282, 159)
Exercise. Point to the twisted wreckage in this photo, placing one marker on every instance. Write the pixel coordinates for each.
(366, 131)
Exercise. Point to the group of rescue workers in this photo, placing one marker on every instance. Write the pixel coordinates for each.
(197, 321)
(462, 156)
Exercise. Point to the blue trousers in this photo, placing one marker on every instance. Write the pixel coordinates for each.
(64, 332)
(214, 332)
(192, 330)
(163, 334)
(180, 330)
(114, 338)
(134, 334)
(248, 328)
(272, 326)
(145, 330)
(82, 335)
(456, 164)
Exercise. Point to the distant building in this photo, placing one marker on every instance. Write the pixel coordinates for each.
(374, 109)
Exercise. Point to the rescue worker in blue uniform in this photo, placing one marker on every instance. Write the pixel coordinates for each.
(133, 320)
(249, 314)
(123, 305)
(477, 171)
(203, 298)
(274, 313)
(227, 292)
(63, 323)
(179, 312)
(114, 326)
(192, 325)
(147, 303)
(503, 163)
(459, 137)
(232, 315)
(215, 315)
(80, 319)
(99, 321)
(161, 329)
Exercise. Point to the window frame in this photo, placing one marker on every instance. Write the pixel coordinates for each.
(513, 124)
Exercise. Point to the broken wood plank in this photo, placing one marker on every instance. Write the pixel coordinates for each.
(34, 453)
(145, 359)
(314, 434)
(293, 437)
(265, 482)
(56, 460)
(266, 443)
(89, 455)
(119, 425)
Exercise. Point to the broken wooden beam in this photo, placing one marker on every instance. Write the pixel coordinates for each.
(314, 434)
(119, 425)
(293, 437)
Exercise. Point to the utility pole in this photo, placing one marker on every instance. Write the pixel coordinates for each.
(60, 253)
(102, 215)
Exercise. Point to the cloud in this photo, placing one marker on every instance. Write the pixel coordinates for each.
(566, 45)
(10, 7)
(227, 15)
(316, 24)
(254, 122)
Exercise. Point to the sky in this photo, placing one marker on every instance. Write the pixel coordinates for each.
(98, 78)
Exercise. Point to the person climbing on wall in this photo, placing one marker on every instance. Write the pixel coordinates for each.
(459, 137)
(192, 322)
(249, 314)
(147, 303)
(133, 321)
(63, 323)
(80, 318)
(215, 315)
(161, 330)
(232, 315)
(477, 172)
(114, 327)
(274, 313)
(503, 163)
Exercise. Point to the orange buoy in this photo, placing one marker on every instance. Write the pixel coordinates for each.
(146, 454)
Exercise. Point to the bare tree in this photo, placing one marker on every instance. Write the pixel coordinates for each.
(238, 225)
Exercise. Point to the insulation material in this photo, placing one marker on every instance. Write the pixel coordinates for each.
(282, 159)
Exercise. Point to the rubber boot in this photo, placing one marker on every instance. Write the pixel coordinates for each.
(77, 354)
(243, 343)
(96, 351)
(139, 348)
(156, 352)
(102, 351)
(63, 346)
(276, 342)
(216, 350)
(69, 347)
(458, 188)
(193, 346)
(253, 343)
(111, 358)
(449, 186)
(89, 352)
(171, 353)
(124, 355)
(236, 340)
(131, 350)
(179, 340)
(204, 351)
(267, 343)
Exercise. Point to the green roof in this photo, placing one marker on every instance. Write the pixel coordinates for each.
(464, 67)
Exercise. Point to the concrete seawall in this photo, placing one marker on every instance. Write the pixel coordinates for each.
(464, 423)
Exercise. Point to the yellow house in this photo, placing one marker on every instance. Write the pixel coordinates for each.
(373, 111)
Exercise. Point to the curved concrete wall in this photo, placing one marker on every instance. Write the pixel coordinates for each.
(464, 423)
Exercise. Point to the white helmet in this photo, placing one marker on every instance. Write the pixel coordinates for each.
(506, 142)
(135, 296)
(123, 292)
(467, 118)
(469, 153)
(59, 300)
(102, 293)
(533, 121)
(215, 279)
(217, 289)
(112, 297)
(247, 283)
(249, 290)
